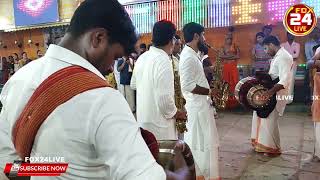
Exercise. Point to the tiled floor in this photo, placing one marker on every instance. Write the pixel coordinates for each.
(239, 161)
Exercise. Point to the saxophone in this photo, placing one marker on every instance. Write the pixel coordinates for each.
(179, 100)
(111, 79)
(219, 85)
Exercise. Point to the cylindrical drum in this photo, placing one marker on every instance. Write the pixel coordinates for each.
(167, 154)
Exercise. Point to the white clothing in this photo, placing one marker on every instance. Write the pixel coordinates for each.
(294, 51)
(202, 135)
(265, 132)
(16, 67)
(131, 62)
(116, 72)
(120, 87)
(128, 93)
(154, 81)
(192, 74)
(291, 88)
(281, 67)
(1, 64)
(94, 131)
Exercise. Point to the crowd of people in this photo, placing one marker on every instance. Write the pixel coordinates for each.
(11, 64)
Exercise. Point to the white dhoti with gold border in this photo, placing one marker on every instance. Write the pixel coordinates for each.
(265, 135)
(203, 139)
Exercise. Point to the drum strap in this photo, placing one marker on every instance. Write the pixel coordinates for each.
(57, 89)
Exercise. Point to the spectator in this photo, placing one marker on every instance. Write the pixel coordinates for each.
(11, 65)
(313, 41)
(25, 60)
(267, 30)
(261, 60)
(125, 67)
(143, 48)
(5, 70)
(16, 62)
(294, 49)
(39, 54)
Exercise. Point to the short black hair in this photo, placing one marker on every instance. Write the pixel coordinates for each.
(190, 29)
(260, 34)
(205, 50)
(163, 32)
(177, 36)
(267, 27)
(107, 14)
(271, 40)
(143, 45)
(314, 48)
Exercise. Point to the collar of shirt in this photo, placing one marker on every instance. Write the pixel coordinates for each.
(192, 51)
(155, 49)
(292, 45)
(62, 54)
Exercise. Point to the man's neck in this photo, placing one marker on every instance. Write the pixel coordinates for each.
(68, 42)
(290, 42)
(194, 46)
(277, 49)
(164, 48)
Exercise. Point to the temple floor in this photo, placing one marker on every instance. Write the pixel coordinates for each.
(239, 161)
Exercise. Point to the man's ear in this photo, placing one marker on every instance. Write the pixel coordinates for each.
(98, 36)
(196, 36)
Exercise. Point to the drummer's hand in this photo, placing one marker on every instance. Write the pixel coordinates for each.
(266, 95)
(181, 169)
(181, 115)
(180, 146)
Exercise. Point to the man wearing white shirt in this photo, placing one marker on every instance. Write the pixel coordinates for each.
(94, 131)
(294, 49)
(153, 79)
(202, 135)
(265, 134)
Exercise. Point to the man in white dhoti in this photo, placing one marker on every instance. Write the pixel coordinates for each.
(202, 135)
(95, 131)
(265, 131)
(316, 104)
(154, 81)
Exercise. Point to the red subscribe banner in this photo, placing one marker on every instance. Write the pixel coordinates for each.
(27, 169)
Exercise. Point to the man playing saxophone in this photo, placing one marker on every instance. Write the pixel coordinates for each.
(202, 134)
(178, 97)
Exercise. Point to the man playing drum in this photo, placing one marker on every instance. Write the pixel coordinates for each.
(265, 131)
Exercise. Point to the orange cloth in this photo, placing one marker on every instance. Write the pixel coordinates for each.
(316, 96)
(57, 89)
(231, 76)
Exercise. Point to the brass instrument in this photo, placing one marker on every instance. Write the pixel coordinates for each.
(179, 100)
(220, 86)
(111, 79)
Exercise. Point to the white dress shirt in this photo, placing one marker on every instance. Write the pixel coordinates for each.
(192, 74)
(94, 131)
(281, 66)
(293, 49)
(154, 81)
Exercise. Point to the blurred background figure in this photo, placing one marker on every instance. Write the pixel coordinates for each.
(260, 59)
(143, 48)
(230, 54)
(294, 49)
